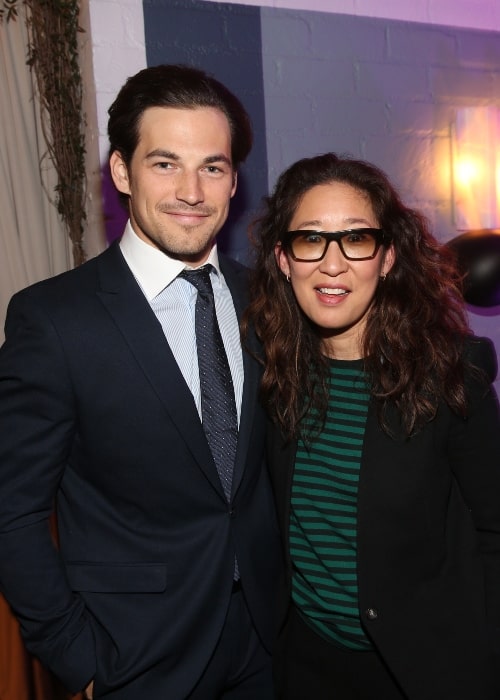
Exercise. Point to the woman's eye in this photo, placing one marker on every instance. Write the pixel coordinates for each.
(312, 238)
(356, 237)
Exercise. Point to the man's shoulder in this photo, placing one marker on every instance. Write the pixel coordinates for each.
(77, 279)
(229, 263)
(235, 273)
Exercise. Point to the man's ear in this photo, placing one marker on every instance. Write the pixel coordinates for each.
(235, 182)
(119, 172)
(282, 260)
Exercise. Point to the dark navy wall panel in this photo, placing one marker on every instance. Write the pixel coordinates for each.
(225, 41)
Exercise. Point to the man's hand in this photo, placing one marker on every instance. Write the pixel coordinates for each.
(88, 693)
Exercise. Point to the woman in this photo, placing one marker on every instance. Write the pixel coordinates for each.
(384, 451)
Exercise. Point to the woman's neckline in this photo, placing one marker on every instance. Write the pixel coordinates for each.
(337, 362)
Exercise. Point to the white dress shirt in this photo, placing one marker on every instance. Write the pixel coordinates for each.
(173, 300)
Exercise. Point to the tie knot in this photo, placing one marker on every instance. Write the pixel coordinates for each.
(199, 278)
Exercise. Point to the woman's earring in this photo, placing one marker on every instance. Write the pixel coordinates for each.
(382, 277)
(288, 279)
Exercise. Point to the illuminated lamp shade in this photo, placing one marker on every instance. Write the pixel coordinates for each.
(476, 168)
(475, 140)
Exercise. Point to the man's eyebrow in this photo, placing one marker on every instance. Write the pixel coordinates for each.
(160, 153)
(170, 155)
(218, 158)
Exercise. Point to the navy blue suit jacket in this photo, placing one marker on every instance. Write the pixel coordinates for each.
(95, 416)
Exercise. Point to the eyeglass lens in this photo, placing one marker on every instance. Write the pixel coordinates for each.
(354, 244)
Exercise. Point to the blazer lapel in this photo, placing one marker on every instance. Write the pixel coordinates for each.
(236, 279)
(129, 309)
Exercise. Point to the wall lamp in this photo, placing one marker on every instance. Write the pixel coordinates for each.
(475, 141)
(475, 168)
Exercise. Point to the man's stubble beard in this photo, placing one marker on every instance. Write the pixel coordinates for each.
(171, 246)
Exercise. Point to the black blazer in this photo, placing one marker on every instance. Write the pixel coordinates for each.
(95, 414)
(428, 544)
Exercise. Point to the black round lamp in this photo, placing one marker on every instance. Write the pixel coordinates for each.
(478, 257)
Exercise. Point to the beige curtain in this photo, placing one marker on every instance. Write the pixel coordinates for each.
(34, 244)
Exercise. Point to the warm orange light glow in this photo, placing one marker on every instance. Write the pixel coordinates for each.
(476, 168)
(467, 171)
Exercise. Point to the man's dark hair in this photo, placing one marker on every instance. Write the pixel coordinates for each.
(181, 87)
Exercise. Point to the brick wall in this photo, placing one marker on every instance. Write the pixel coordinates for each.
(380, 80)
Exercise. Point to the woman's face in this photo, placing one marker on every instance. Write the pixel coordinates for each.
(336, 293)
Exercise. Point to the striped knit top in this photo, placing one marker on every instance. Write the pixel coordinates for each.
(324, 513)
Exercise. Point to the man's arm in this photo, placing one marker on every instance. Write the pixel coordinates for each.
(37, 424)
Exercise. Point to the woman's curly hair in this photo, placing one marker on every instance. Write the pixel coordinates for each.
(415, 328)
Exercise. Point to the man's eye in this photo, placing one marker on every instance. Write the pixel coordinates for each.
(213, 169)
(164, 165)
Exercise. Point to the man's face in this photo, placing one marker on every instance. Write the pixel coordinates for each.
(180, 180)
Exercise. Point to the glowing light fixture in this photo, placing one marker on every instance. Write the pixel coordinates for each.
(476, 168)
(475, 143)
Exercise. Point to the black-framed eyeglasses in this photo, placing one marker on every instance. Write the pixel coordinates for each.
(355, 244)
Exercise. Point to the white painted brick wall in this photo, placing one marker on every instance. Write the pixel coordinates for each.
(117, 28)
(119, 51)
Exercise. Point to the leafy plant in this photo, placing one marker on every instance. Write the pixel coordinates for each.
(8, 10)
(53, 28)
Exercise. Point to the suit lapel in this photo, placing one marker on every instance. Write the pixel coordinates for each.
(236, 279)
(127, 305)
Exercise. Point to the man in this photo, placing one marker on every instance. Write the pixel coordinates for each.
(163, 584)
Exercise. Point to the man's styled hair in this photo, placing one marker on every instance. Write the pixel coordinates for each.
(181, 87)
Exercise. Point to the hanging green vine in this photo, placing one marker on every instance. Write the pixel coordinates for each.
(8, 10)
(53, 27)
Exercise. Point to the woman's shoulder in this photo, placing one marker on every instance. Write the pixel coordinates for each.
(480, 352)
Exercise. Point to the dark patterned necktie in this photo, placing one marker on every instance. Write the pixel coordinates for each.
(218, 406)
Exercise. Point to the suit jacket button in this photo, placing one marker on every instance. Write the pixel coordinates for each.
(371, 613)
(232, 512)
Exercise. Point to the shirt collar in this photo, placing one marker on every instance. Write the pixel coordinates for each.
(153, 269)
